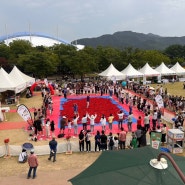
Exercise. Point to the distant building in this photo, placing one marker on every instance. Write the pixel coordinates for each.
(36, 39)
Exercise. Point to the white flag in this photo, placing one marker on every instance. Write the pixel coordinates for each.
(159, 101)
(24, 112)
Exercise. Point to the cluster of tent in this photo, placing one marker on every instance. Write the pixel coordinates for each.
(15, 80)
(146, 71)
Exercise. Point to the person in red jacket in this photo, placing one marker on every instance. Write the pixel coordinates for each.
(33, 163)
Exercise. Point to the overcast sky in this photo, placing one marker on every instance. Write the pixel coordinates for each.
(76, 19)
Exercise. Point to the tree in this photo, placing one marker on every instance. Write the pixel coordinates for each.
(4, 56)
(82, 63)
(65, 53)
(18, 47)
(175, 51)
(41, 64)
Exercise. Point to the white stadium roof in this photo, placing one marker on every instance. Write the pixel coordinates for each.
(37, 39)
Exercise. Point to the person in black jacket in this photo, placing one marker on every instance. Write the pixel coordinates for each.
(53, 149)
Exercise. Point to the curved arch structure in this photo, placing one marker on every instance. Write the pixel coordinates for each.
(41, 83)
(35, 38)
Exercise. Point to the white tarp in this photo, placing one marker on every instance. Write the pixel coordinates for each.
(112, 73)
(178, 69)
(130, 71)
(164, 70)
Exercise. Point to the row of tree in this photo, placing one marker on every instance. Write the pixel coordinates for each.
(65, 60)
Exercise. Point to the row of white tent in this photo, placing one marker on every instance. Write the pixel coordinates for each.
(145, 71)
(15, 81)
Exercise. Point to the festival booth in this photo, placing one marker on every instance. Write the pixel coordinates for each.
(6, 82)
(42, 83)
(148, 72)
(164, 71)
(21, 77)
(131, 72)
(180, 71)
(111, 73)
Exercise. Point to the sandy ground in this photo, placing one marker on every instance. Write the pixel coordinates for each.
(66, 167)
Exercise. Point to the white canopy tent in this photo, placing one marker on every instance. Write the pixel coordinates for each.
(112, 73)
(179, 70)
(6, 83)
(148, 71)
(16, 79)
(19, 76)
(164, 71)
(131, 72)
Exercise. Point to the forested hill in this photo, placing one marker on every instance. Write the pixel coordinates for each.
(125, 39)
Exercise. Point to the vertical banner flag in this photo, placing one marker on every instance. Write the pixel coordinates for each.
(24, 112)
(155, 140)
(159, 101)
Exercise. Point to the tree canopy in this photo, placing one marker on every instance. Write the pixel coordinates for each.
(64, 60)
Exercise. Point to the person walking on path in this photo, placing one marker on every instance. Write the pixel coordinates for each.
(33, 164)
(53, 149)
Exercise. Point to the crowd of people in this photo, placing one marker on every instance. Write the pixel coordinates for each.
(152, 115)
(149, 120)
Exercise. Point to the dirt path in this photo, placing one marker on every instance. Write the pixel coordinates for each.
(48, 173)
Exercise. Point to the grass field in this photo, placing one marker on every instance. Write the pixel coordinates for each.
(173, 88)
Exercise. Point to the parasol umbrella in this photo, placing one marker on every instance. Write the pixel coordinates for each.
(130, 167)
(27, 146)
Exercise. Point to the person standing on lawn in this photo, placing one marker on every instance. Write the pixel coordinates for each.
(33, 164)
(53, 149)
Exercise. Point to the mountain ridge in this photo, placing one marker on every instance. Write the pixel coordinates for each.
(124, 39)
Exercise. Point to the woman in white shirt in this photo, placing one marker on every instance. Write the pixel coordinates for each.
(92, 118)
(103, 122)
(75, 124)
(23, 156)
